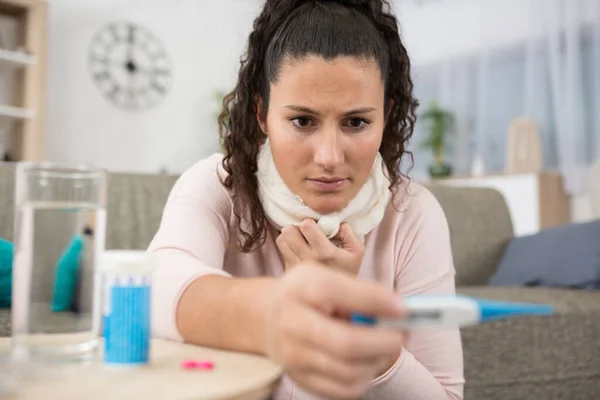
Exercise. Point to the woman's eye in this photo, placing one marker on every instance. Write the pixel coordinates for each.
(301, 122)
(357, 123)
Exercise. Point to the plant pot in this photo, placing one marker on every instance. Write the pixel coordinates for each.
(442, 170)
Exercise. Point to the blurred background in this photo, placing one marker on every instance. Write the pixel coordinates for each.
(507, 139)
(508, 88)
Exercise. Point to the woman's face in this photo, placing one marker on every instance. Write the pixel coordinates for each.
(325, 124)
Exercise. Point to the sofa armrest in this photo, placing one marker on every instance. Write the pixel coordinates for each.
(480, 229)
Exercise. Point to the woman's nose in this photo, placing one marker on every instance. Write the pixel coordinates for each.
(328, 150)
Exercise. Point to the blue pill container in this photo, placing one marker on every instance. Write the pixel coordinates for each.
(126, 291)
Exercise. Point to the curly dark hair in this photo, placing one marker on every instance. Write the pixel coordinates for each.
(365, 29)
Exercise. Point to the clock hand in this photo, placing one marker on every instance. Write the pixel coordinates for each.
(107, 61)
(131, 40)
(130, 89)
(152, 71)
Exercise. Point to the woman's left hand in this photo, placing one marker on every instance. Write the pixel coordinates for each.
(306, 242)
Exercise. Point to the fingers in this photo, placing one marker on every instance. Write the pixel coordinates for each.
(317, 240)
(344, 293)
(317, 359)
(336, 366)
(324, 354)
(349, 240)
(308, 242)
(288, 254)
(349, 342)
(294, 239)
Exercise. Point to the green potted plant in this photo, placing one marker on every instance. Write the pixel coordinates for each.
(217, 98)
(439, 125)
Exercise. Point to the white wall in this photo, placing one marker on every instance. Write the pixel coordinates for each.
(204, 40)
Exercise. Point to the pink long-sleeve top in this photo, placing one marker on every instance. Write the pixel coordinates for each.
(408, 253)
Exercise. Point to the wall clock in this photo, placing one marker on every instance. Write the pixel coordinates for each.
(129, 66)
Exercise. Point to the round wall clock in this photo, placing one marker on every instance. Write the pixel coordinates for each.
(130, 66)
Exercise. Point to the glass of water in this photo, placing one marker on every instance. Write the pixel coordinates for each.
(59, 235)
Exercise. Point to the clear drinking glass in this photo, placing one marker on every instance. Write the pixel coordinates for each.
(59, 235)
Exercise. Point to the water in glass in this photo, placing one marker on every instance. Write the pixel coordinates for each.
(59, 231)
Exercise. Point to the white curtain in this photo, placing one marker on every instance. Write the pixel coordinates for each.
(564, 24)
(595, 12)
(551, 75)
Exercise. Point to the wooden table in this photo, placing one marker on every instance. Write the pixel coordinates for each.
(236, 376)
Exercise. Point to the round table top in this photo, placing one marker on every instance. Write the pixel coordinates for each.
(235, 376)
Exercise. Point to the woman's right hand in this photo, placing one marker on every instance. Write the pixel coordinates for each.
(308, 333)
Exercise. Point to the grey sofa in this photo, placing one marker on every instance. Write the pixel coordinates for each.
(555, 357)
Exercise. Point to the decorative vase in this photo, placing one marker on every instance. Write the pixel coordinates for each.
(478, 167)
(440, 170)
(524, 147)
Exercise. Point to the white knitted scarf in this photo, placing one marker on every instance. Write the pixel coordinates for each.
(282, 207)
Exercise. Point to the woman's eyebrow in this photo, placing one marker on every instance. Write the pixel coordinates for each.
(302, 109)
(310, 111)
(363, 110)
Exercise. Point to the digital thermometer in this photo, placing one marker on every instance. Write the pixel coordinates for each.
(453, 311)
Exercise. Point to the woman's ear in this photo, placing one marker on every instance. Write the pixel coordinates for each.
(389, 106)
(261, 115)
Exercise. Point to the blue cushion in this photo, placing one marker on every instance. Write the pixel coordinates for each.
(565, 256)
(66, 275)
(6, 261)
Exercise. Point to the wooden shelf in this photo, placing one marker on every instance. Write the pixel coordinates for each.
(16, 58)
(16, 112)
(27, 105)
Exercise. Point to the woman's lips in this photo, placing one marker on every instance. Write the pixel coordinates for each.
(328, 184)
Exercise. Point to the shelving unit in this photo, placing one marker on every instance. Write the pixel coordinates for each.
(16, 58)
(28, 63)
(18, 113)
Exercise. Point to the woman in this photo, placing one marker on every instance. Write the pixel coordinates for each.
(306, 218)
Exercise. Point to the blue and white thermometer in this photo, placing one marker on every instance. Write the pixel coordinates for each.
(448, 311)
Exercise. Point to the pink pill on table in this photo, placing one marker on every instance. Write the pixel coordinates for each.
(198, 364)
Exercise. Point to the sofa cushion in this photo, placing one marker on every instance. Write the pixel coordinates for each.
(480, 228)
(546, 357)
(563, 256)
(135, 207)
